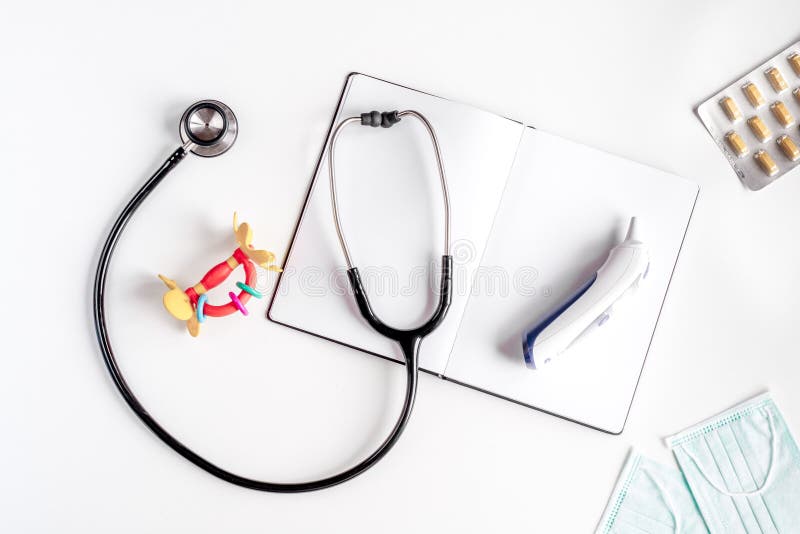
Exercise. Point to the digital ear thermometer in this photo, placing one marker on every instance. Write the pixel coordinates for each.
(591, 305)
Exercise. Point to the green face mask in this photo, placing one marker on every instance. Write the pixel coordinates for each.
(652, 498)
(743, 469)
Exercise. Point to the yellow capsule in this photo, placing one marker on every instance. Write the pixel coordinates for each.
(776, 79)
(753, 94)
(736, 143)
(730, 108)
(766, 162)
(796, 94)
(759, 129)
(794, 61)
(782, 114)
(789, 148)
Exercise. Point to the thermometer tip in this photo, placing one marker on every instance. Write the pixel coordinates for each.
(633, 234)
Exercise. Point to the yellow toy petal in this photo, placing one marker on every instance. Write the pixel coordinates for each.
(168, 282)
(178, 304)
(260, 257)
(244, 236)
(243, 232)
(193, 325)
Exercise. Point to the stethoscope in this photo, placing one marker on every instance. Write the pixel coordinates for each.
(209, 128)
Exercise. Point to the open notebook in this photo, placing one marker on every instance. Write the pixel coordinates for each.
(533, 215)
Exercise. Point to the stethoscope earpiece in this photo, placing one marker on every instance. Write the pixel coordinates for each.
(208, 128)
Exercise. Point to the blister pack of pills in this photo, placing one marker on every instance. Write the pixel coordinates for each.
(755, 120)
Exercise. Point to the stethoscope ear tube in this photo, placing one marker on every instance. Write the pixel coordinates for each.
(385, 119)
(408, 339)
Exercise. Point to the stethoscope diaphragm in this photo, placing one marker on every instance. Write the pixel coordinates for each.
(208, 128)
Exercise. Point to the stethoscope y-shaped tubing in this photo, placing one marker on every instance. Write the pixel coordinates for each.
(409, 340)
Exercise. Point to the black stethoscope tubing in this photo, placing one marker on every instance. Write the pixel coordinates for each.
(409, 341)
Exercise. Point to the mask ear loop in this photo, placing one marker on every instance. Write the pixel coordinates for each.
(770, 467)
(665, 496)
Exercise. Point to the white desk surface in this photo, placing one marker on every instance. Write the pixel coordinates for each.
(92, 94)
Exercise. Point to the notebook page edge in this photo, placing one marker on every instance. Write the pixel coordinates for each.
(443, 374)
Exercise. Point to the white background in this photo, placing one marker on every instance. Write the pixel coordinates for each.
(92, 95)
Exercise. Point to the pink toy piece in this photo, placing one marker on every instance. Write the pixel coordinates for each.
(238, 303)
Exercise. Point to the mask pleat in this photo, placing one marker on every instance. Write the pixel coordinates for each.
(752, 475)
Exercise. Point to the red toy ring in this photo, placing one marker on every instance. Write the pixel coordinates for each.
(218, 274)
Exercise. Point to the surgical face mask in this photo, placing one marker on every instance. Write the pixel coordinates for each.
(743, 468)
(651, 498)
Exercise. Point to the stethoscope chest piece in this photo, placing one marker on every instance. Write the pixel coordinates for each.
(209, 127)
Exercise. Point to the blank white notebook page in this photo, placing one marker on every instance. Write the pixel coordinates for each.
(392, 216)
(565, 206)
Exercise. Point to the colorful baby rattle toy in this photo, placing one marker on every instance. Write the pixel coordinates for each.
(192, 304)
